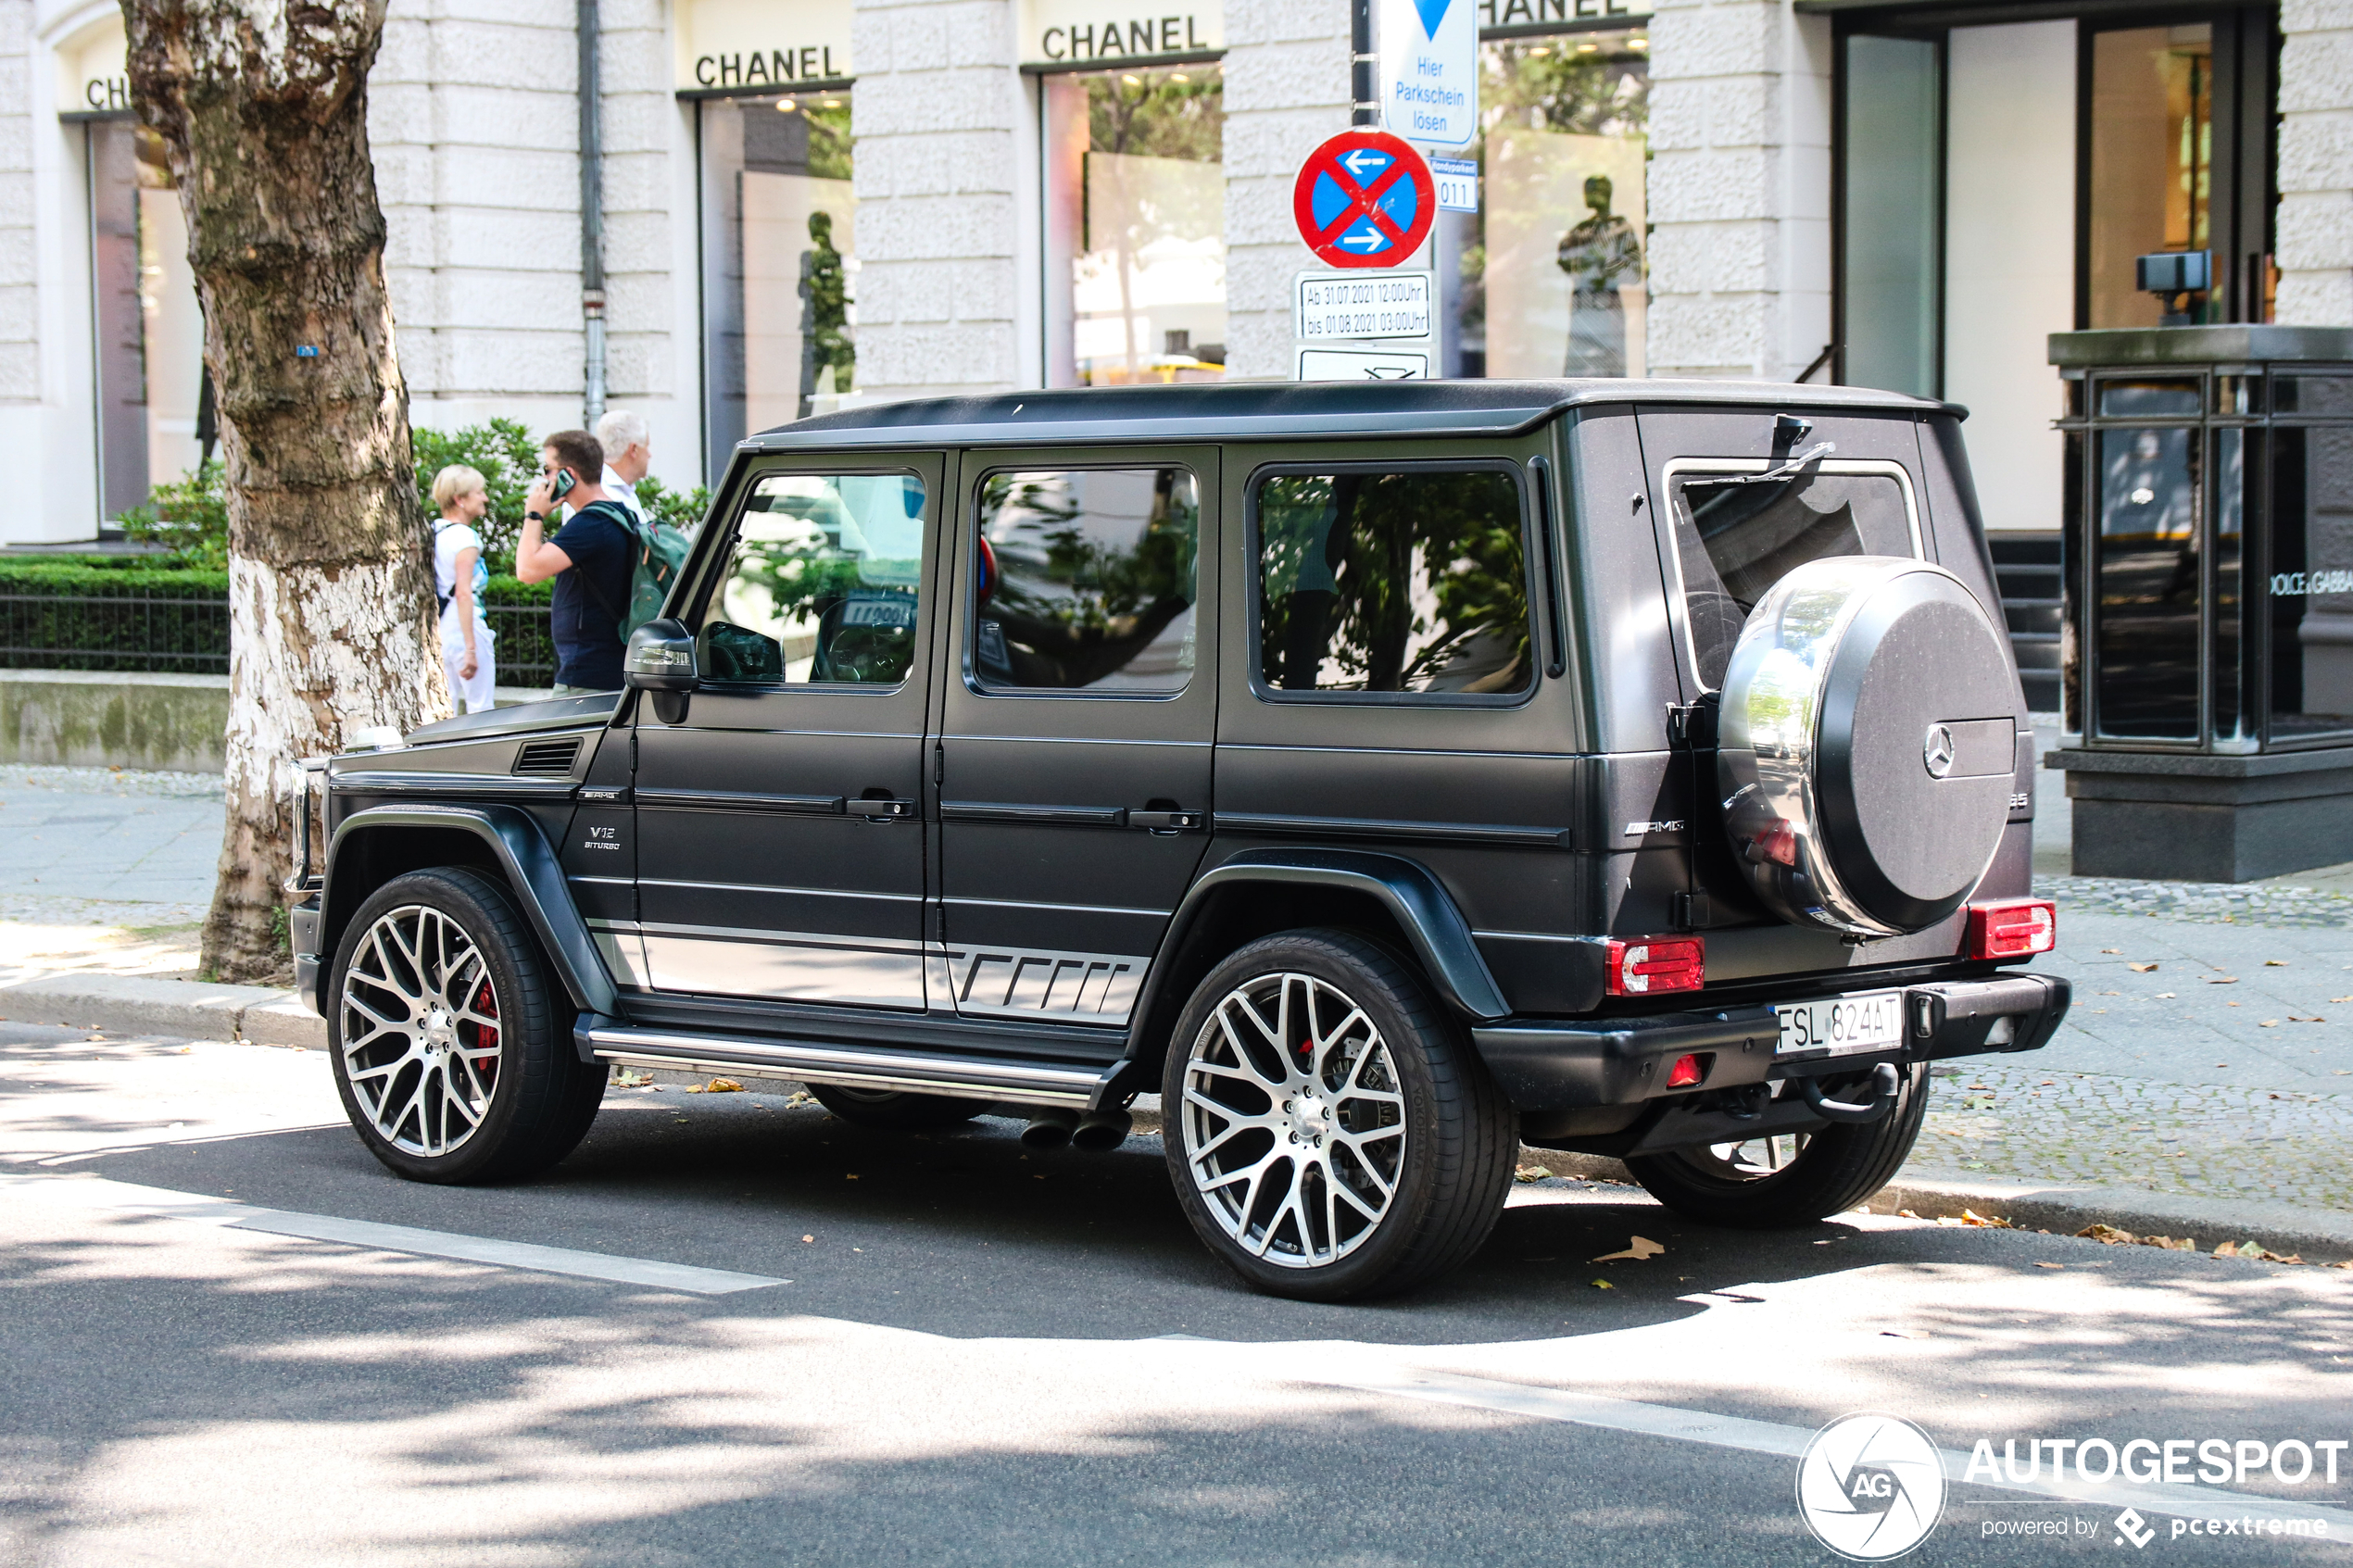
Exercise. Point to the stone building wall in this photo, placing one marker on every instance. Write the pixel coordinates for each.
(1287, 89)
(20, 278)
(2315, 238)
(1739, 189)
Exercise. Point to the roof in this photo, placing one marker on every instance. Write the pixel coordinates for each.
(1285, 410)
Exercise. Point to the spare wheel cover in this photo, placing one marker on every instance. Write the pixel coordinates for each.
(1867, 745)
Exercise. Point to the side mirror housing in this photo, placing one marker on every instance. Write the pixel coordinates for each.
(661, 658)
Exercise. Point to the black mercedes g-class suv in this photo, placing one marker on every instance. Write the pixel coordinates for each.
(1384, 774)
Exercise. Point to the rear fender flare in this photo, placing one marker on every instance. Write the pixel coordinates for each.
(533, 872)
(1440, 937)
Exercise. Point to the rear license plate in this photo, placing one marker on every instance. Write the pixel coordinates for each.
(1841, 1025)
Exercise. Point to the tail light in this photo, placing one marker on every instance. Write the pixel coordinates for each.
(2013, 929)
(1688, 1071)
(1652, 964)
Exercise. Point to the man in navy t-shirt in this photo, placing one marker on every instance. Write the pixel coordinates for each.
(591, 557)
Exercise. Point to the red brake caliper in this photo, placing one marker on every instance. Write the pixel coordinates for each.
(487, 1034)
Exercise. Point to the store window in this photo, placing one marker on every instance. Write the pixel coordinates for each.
(149, 326)
(779, 263)
(1135, 225)
(1548, 276)
(2152, 163)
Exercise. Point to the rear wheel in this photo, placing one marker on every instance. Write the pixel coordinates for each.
(896, 1110)
(1330, 1132)
(1773, 1183)
(452, 1055)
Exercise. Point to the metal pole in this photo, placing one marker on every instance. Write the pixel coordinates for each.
(1364, 67)
(592, 216)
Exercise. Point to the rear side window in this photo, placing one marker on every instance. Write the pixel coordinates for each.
(1379, 581)
(1086, 581)
(1737, 534)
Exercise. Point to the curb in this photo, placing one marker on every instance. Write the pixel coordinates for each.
(264, 1016)
(188, 1010)
(2065, 1210)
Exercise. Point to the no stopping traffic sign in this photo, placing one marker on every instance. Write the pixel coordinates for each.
(1365, 198)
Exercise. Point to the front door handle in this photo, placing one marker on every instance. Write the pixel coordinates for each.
(1168, 822)
(883, 811)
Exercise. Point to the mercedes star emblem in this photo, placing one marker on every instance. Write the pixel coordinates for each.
(1937, 752)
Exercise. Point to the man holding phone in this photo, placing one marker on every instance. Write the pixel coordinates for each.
(590, 559)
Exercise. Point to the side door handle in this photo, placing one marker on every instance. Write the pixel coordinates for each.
(1167, 822)
(882, 810)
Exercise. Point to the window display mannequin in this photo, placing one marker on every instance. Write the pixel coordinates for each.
(1600, 255)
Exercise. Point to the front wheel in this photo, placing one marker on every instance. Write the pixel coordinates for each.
(1330, 1132)
(451, 1053)
(1770, 1183)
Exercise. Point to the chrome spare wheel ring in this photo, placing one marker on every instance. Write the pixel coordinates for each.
(421, 1034)
(1293, 1121)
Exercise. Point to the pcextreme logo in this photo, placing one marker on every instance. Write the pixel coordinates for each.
(1870, 1487)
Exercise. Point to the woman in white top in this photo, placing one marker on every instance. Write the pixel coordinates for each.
(458, 578)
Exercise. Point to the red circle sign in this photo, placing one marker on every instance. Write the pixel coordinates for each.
(1365, 198)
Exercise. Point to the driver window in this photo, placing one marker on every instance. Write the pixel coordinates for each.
(823, 586)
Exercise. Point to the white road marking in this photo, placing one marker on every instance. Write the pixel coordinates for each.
(1770, 1437)
(94, 1192)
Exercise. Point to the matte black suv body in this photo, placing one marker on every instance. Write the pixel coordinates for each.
(992, 750)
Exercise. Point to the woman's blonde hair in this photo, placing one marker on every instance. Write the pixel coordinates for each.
(455, 481)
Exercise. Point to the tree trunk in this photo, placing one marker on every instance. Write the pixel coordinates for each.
(263, 112)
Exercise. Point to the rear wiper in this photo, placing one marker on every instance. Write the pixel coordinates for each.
(1813, 454)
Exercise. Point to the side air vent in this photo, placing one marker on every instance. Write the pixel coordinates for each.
(547, 758)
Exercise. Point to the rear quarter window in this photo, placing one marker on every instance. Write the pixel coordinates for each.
(1737, 533)
(1391, 584)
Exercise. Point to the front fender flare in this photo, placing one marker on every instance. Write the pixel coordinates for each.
(1424, 910)
(534, 875)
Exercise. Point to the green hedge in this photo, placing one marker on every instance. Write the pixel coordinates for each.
(116, 612)
(100, 613)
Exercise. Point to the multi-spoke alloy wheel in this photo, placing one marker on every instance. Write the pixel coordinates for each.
(421, 1030)
(1789, 1178)
(453, 1054)
(1294, 1125)
(1330, 1131)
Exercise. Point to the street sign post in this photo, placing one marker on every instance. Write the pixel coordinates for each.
(1428, 52)
(1365, 199)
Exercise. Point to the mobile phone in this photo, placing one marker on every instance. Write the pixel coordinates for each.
(562, 486)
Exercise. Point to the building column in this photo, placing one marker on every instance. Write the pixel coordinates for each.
(1739, 189)
(945, 172)
(1287, 89)
(2315, 239)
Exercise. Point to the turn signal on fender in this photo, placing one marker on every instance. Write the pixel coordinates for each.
(2012, 929)
(1648, 965)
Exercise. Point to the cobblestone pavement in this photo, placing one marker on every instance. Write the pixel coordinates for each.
(2015, 1119)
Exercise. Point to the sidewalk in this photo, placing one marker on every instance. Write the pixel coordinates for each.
(2221, 1074)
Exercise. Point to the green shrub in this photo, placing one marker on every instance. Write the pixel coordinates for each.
(506, 456)
(113, 613)
(188, 516)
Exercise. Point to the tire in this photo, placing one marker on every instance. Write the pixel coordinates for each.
(1834, 1169)
(470, 1087)
(1405, 1105)
(896, 1110)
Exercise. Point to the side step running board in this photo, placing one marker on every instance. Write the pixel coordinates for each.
(859, 1067)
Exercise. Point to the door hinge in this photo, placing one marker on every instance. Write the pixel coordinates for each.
(938, 764)
(1692, 723)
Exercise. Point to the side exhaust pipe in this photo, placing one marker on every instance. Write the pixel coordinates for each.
(1049, 1129)
(1099, 1132)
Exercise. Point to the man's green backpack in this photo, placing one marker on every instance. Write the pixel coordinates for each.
(661, 556)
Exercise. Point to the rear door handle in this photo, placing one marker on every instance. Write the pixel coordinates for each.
(1168, 822)
(882, 810)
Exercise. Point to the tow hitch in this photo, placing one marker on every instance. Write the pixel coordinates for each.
(1884, 1080)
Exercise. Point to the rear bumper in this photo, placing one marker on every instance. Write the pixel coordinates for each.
(1558, 1065)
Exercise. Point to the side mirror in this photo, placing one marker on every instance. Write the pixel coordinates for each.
(661, 658)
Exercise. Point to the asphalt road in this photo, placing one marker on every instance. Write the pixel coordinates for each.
(977, 1355)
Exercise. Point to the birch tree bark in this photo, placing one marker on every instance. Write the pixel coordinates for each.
(262, 107)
